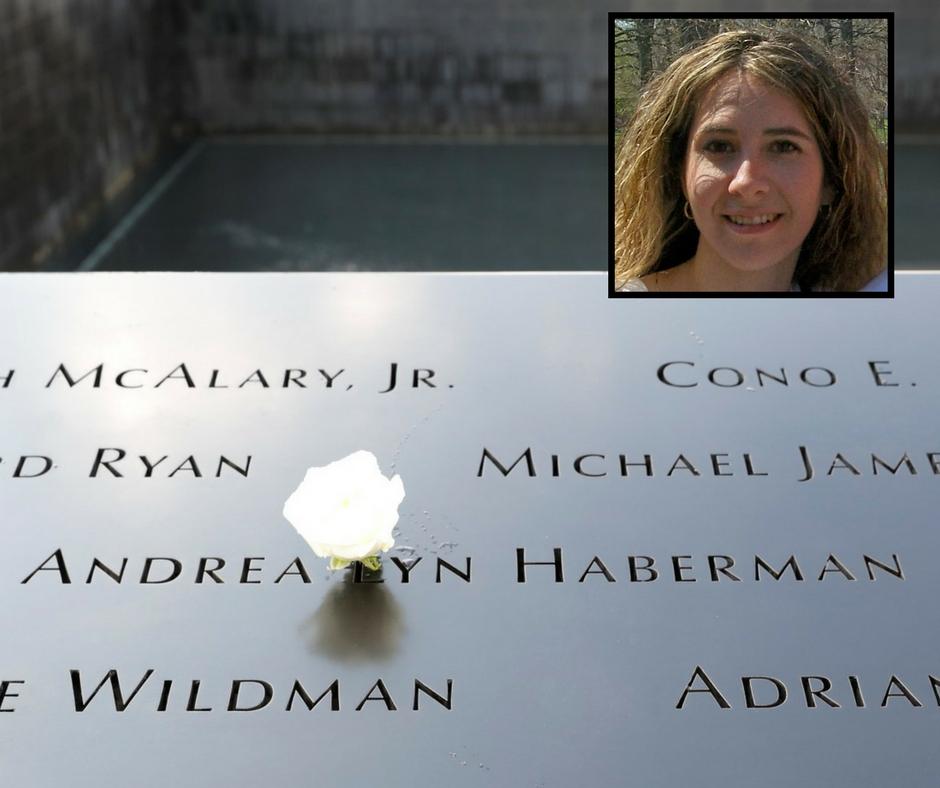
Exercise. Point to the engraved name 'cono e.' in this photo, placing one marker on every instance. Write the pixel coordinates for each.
(686, 375)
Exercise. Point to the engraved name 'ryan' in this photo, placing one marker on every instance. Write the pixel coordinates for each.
(115, 462)
(806, 467)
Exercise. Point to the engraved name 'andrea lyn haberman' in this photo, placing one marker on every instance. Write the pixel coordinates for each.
(804, 465)
(391, 377)
(534, 567)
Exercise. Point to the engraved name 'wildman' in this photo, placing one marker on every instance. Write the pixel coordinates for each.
(238, 695)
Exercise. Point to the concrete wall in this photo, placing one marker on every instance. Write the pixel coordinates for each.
(917, 67)
(404, 66)
(86, 94)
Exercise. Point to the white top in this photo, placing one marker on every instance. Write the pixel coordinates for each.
(878, 284)
(635, 285)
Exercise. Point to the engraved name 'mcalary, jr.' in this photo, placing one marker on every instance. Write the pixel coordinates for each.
(192, 376)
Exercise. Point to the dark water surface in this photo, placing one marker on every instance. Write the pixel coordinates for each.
(916, 197)
(325, 206)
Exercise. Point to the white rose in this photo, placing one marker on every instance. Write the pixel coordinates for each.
(346, 510)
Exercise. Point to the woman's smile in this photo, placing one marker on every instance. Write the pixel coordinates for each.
(753, 225)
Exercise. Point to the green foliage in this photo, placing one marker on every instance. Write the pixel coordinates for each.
(860, 47)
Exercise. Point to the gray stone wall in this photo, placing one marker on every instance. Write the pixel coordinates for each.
(474, 66)
(85, 97)
(917, 67)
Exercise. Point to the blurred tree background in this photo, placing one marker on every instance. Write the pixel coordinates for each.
(644, 46)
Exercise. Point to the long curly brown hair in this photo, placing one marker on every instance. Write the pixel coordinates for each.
(847, 245)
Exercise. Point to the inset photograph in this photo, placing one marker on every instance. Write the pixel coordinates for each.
(750, 156)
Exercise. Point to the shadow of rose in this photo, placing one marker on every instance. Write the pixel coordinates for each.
(356, 622)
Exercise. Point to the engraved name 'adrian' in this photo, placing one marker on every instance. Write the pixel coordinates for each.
(598, 465)
(815, 692)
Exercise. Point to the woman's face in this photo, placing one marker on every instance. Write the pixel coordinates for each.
(753, 174)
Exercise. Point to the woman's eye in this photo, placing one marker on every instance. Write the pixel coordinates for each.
(783, 146)
(718, 146)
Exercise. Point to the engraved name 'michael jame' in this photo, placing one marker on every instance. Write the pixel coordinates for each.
(804, 467)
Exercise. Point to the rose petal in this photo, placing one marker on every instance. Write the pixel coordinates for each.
(346, 509)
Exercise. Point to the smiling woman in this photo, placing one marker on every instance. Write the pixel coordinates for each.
(750, 165)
